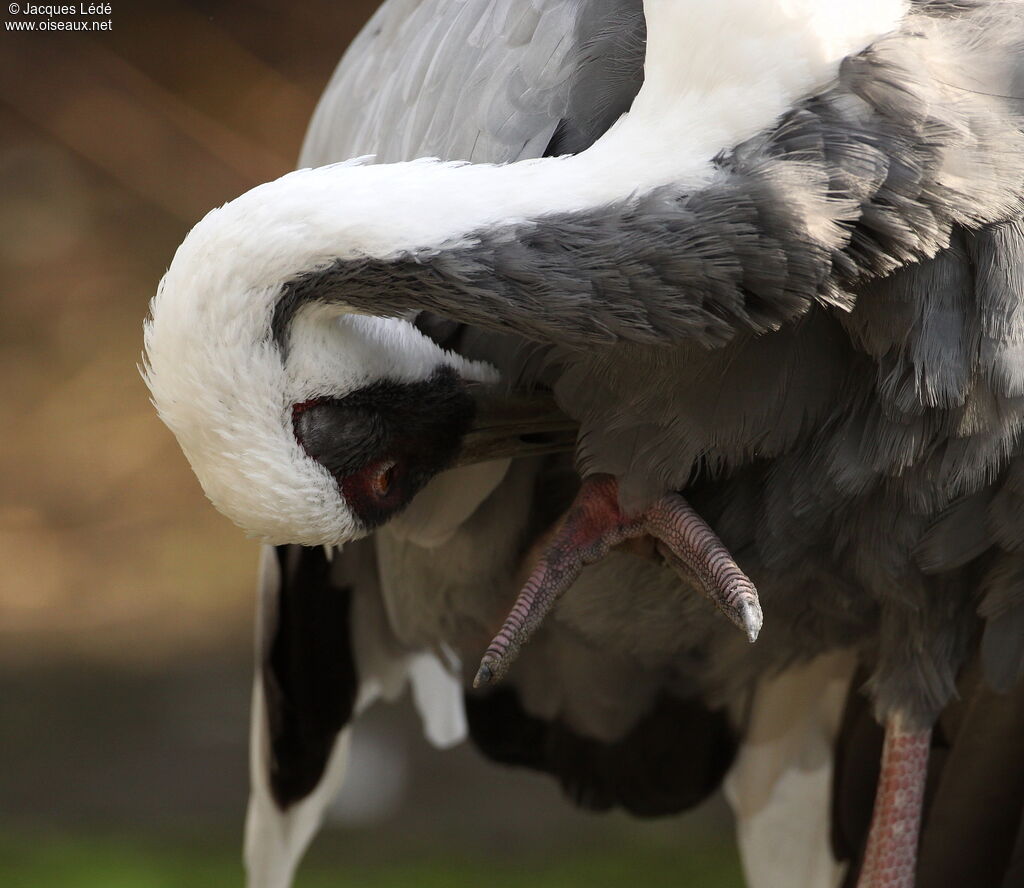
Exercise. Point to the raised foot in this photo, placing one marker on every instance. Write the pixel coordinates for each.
(591, 527)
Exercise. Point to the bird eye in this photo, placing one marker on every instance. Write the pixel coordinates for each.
(383, 478)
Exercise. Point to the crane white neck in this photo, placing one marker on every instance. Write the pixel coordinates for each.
(717, 72)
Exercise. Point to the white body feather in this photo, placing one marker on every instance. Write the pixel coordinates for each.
(780, 787)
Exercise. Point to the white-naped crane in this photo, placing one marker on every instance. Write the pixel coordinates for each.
(701, 294)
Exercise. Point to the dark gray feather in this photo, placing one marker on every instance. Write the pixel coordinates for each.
(866, 177)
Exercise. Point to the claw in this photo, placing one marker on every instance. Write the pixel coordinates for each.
(691, 546)
(751, 619)
(592, 526)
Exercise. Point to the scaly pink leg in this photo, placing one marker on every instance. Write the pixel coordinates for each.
(592, 526)
(890, 858)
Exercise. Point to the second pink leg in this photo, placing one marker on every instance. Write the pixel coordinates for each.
(890, 859)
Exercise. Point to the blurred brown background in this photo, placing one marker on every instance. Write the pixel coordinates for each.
(112, 145)
(125, 599)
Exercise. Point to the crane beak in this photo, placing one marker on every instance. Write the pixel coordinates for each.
(514, 424)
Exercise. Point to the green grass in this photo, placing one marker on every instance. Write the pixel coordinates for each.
(38, 862)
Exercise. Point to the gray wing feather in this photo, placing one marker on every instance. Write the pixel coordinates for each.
(478, 80)
(872, 175)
